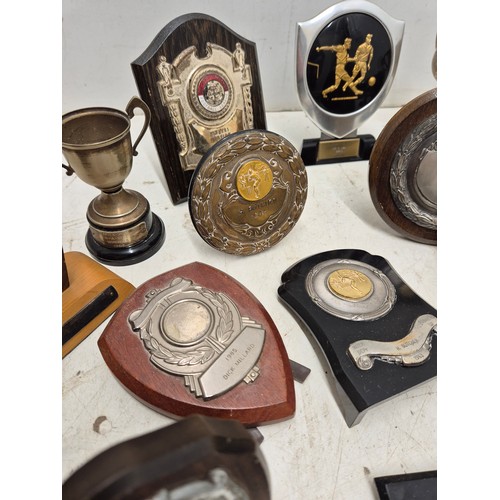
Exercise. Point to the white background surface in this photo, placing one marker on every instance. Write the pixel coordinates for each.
(313, 455)
(101, 38)
(468, 203)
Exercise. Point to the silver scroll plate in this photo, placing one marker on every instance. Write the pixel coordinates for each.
(412, 350)
(199, 334)
(376, 304)
(335, 124)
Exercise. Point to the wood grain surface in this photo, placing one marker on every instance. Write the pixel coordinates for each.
(183, 32)
(271, 397)
(386, 147)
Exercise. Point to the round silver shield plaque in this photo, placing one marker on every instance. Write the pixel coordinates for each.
(351, 289)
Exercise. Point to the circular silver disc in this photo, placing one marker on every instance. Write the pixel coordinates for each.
(351, 289)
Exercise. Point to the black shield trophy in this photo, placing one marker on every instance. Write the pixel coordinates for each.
(376, 336)
(346, 61)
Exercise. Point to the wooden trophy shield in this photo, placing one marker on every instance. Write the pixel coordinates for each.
(403, 170)
(201, 81)
(248, 192)
(196, 458)
(194, 340)
(376, 336)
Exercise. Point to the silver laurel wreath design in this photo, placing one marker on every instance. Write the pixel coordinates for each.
(399, 178)
(203, 220)
(201, 354)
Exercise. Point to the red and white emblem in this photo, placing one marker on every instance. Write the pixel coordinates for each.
(213, 92)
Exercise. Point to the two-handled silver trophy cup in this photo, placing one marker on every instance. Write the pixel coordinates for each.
(97, 145)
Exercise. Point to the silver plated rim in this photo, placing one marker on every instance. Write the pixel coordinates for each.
(376, 305)
(307, 32)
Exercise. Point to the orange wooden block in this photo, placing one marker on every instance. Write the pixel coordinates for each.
(94, 293)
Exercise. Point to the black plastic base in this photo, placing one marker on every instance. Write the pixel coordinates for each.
(414, 486)
(130, 255)
(310, 149)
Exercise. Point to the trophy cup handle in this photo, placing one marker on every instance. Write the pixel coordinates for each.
(135, 102)
(69, 170)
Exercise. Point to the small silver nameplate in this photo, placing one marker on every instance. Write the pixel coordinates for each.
(412, 350)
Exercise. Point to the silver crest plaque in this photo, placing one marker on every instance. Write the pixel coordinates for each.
(199, 334)
(207, 98)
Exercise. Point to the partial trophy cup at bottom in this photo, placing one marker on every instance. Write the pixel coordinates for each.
(98, 147)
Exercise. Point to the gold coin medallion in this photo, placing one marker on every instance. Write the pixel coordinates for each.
(349, 284)
(254, 180)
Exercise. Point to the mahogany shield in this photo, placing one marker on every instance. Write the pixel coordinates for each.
(179, 343)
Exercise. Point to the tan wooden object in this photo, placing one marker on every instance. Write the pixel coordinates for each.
(87, 280)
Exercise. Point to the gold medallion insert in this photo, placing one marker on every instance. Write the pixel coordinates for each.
(349, 284)
(254, 180)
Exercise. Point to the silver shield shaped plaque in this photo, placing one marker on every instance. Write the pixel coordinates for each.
(346, 59)
(200, 335)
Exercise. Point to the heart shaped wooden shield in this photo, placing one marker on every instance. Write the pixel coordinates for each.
(194, 340)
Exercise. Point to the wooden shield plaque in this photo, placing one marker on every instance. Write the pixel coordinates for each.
(248, 192)
(201, 81)
(194, 340)
(403, 170)
(376, 336)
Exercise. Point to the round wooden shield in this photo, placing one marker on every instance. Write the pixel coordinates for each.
(403, 170)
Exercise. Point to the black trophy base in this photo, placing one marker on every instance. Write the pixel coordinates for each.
(321, 151)
(129, 255)
(414, 486)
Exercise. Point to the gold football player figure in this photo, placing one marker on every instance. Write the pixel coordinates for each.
(340, 72)
(363, 58)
